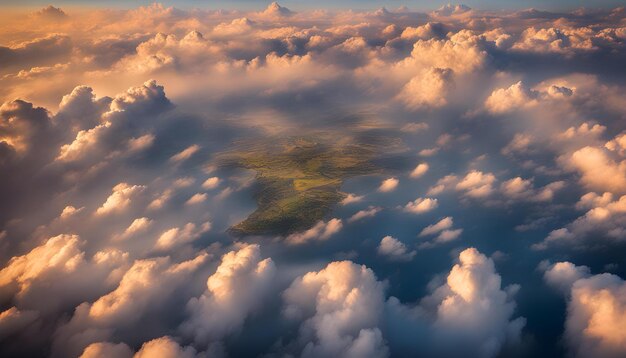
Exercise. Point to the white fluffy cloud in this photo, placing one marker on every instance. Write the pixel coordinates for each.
(143, 288)
(470, 309)
(120, 199)
(178, 236)
(421, 205)
(340, 308)
(388, 185)
(507, 99)
(321, 231)
(165, 347)
(235, 290)
(367, 213)
(603, 219)
(596, 310)
(443, 224)
(427, 90)
(394, 249)
(419, 170)
(598, 170)
(61, 253)
(476, 307)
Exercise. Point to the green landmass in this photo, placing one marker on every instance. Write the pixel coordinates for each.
(299, 178)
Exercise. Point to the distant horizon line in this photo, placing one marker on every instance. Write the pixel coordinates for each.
(367, 5)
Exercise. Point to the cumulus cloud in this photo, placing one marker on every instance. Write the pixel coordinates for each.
(471, 309)
(471, 283)
(185, 154)
(443, 224)
(427, 90)
(107, 349)
(137, 226)
(394, 249)
(143, 288)
(233, 292)
(320, 231)
(177, 236)
(476, 184)
(60, 253)
(388, 185)
(419, 170)
(351, 199)
(160, 347)
(14, 320)
(340, 309)
(367, 213)
(444, 231)
(603, 219)
(421, 205)
(562, 275)
(595, 310)
(120, 199)
(507, 99)
(211, 183)
(598, 170)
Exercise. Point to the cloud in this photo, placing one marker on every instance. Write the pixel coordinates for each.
(476, 305)
(415, 127)
(235, 290)
(351, 199)
(519, 144)
(421, 205)
(394, 249)
(596, 309)
(165, 347)
(61, 253)
(598, 171)
(602, 220)
(275, 11)
(22, 125)
(362, 214)
(505, 100)
(70, 211)
(519, 189)
(178, 236)
(618, 144)
(340, 308)
(14, 320)
(562, 275)
(495, 98)
(419, 170)
(197, 198)
(388, 185)
(444, 230)
(120, 199)
(476, 184)
(107, 349)
(470, 309)
(211, 183)
(427, 90)
(319, 232)
(443, 224)
(144, 288)
(137, 226)
(185, 154)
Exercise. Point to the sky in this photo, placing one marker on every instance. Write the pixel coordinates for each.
(353, 4)
(482, 212)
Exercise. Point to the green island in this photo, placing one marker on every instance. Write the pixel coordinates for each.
(299, 178)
